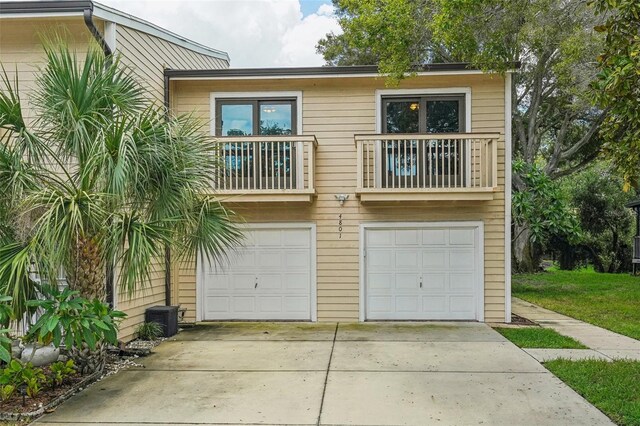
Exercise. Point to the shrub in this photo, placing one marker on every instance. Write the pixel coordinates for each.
(59, 371)
(17, 374)
(73, 320)
(149, 331)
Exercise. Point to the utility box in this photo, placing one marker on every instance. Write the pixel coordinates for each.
(166, 316)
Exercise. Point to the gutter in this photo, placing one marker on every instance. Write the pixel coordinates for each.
(167, 249)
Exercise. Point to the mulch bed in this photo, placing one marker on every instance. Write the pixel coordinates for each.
(48, 399)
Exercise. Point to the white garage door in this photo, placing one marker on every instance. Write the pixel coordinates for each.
(430, 273)
(268, 279)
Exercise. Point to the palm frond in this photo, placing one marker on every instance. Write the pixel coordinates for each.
(18, 272)
(136, 246)
(211, 230)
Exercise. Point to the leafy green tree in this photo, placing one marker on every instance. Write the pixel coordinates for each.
(554, 121)
(618, 84)
(546, 211)
(599, 200)
(100, 177)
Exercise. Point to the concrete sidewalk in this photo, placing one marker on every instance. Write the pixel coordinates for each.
(333, 374)
(603, 344)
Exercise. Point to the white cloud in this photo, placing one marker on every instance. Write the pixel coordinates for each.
(255, 33)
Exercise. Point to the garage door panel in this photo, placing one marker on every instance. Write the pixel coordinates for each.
(298, 260)
(435, 259)
(434, 306)
(461, 237)
(269, 259)
(380, 238)
(407, 281)
(407, 259)
(270, 304)
(461, 282)
(269, 278)
(296, 282)
(461, 304)
(296, 238)
(243, 304)
(407, 304)
(380, 281)
(407, 238)
(432, 281)
(296, 304)
(268, 237)
(381, 304)
(218, 304)
(380, 259)
(462, 259)
(435, 279)
(434, 237)
(240, 282)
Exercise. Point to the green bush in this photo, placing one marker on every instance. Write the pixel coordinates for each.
(17, 374)
(73, 320)
(59, 371)
(149, 331)
(599, 200)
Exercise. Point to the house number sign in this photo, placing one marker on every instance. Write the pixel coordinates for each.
(340, 226)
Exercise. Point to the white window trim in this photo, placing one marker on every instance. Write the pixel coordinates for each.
(507, 197)
(380, 93)
(313, 299)
(255, 95)
(264, 95)
(479, 239)
(466, 91)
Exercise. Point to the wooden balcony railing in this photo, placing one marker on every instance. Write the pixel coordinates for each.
(446, 166)
(267, 168)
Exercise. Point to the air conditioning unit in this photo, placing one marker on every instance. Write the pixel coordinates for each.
(166, 316)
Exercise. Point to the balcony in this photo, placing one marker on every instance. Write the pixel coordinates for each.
(427, 167)
(267, 168)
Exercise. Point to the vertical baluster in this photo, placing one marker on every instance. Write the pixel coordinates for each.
(486, 162)
(417, 161)
(455, 161)
(437, 161)
(394, 144)
(366, 164)
(386, 163)
(430, 142)
(273, 166)
(278, 148)
(242, 165)
(290, 165)
(473, 162)
(224, 166)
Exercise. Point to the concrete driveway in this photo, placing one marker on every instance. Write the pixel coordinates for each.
(334, 374)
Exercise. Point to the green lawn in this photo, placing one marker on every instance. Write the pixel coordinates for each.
(613, 387)
(536, 337)
(611, 301)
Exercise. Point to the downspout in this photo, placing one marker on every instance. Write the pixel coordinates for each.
(88, 20)
(167, 250)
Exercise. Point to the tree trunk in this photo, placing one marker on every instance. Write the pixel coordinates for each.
(86, 273)
(88, 361)
(526, 256)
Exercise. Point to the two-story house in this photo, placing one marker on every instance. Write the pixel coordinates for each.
(362, 202)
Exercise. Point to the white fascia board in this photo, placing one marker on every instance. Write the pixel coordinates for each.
(108, 14)
(356, 75)
(39, 15)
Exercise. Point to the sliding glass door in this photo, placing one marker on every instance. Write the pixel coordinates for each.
(409, 162)
(253, 164)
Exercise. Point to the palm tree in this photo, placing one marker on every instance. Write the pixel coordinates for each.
(100, 178)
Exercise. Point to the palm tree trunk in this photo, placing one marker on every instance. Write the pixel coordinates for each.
(86, 273)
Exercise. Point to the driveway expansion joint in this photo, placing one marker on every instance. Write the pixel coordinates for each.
(326, 377)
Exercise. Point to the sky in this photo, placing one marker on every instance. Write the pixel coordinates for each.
(255, 33)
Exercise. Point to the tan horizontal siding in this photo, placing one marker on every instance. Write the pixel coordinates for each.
(334, 110)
